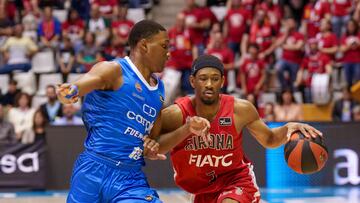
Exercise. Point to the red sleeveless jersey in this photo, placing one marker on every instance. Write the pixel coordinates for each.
(203, 169)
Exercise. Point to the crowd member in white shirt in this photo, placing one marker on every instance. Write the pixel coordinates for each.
(21, 116)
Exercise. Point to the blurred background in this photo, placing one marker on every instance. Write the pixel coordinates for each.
(295, 60)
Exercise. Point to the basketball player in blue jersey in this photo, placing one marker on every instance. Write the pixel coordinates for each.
(122, 102)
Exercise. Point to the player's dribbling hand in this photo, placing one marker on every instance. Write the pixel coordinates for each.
(307, 130)
(67, 93)
(151, 148)
(199, 126)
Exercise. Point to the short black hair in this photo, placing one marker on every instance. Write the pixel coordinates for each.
(143, 30)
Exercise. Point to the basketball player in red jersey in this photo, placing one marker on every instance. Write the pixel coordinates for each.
(217, 171)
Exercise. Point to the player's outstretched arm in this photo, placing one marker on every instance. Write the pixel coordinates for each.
(102, 76)
(270, 138)
(170, 130)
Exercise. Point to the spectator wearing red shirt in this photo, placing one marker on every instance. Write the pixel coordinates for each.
(292, 44)
(113, 50)
(356, 14)
(31, 6)
(108, 8)
(249, 6)
(8, 7)
(218, 48)
(340, 10)
(314, 12)
(328, 43)
(198, 21)
(181, 51)
(274, 13)
(252, 72)
(314, 63)
(262, 34)
(73, 28)
(121, 28)
(235, 25)
(49, 29)
(350, 47)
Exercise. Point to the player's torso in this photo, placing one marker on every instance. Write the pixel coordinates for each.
(117, 121)
(200, 168)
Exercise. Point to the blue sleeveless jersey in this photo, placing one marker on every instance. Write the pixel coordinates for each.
(116, 121)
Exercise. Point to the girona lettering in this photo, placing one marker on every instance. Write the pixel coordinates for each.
(218, 142)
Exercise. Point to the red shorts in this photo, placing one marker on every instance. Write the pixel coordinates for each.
(240, 194)
(242, 189)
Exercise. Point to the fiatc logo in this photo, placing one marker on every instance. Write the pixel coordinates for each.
(26, 163)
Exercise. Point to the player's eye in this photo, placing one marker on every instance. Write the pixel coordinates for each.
(165, 46)
(202, 78)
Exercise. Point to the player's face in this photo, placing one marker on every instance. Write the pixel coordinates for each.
(157, 51)
(207, 83)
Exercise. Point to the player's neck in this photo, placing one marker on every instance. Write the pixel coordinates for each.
(140, 65)
(205, 110)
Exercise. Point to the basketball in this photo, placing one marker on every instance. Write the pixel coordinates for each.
(305, 155)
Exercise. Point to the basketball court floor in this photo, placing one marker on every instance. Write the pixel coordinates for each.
(287, 195)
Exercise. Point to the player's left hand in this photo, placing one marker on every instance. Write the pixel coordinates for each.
(151, 148)
(306, 129)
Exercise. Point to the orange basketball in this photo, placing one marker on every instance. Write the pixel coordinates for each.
(305, 155)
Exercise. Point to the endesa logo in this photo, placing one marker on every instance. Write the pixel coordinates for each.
(347, 170)
(148, 110)
(26, 163)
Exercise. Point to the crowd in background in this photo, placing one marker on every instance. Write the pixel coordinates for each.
(278, 47)
(311, 48)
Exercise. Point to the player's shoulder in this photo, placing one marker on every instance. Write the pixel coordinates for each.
(171, 118)
(172, 110)
(242, 103)
(243, 106)
(108, 66)
(245, 111)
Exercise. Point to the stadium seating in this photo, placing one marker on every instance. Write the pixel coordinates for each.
(4, 82)
(26, 82)
(61, 15)
(38, 100)
(136, 14)
(43, 62)
(312, 112)
(48, 79)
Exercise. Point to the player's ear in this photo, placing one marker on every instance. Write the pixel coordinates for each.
(143, 45)
(192, 81)
(222, 81)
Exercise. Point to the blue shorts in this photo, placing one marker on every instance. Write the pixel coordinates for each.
(97, 178)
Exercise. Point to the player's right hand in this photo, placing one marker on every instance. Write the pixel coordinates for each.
(65, 93)
(200, 126)
(151, 148)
